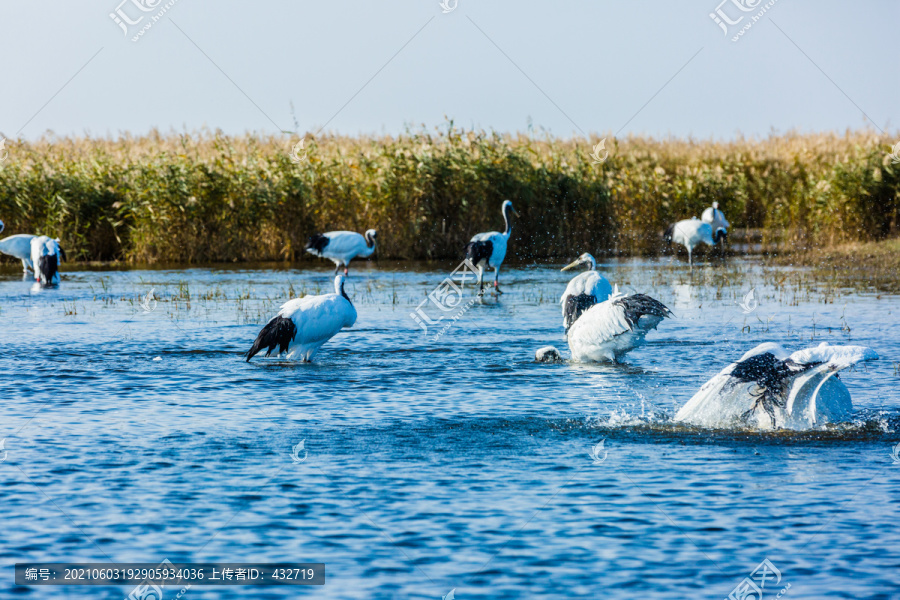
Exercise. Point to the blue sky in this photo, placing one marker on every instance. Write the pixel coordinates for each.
(571, 68)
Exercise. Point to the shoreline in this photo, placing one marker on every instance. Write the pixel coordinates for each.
(882, 256)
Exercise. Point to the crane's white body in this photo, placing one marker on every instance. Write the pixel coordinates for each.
(589, 284)
(690, 233)
(813, 395)
(498, 242)
(344, 246)
(19, 246)
(45, 249)
(604, 334)
(316, 319)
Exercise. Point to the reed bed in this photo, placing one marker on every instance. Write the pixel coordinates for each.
(208, 197)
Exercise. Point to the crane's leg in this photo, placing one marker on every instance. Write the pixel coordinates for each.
(481, 280)
(691, 261)
(497, 280)
(337, 267)
(26, 265)
(347, 268)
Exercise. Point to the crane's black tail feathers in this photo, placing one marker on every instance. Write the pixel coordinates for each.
(771, 378)
(638, 305)
(316, 243)
(667, 235)
(479, 251)
(278, 333)
(48, 265)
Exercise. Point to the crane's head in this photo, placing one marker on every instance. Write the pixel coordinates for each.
(716, 205)
(547, 354)
(371, 237)
(2, 226)
(507, 206)
(584, 259)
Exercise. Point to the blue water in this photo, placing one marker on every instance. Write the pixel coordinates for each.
(140, 434)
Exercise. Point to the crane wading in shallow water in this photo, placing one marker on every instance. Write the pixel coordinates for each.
(768, 388)
(487, 250)
(342, 246)
(584, 290)
(304, 324)
(32, 250)
(690, 233)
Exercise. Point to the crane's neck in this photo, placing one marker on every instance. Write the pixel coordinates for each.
(508, 229)
(339, 288)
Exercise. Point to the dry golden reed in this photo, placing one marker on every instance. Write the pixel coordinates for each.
(210, 197)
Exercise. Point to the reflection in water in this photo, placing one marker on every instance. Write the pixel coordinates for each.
(683, 295)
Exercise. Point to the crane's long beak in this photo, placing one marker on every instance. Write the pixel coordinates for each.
(513, 210)
(571, 265)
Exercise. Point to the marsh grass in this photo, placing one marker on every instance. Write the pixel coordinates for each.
(209, 197)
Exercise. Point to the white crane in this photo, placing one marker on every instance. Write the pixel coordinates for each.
(342, 246)
(690, 233)
(45, 258)
(609, 330)
(584, 290)
(304, 324)
(769, 388)
(487, 250)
